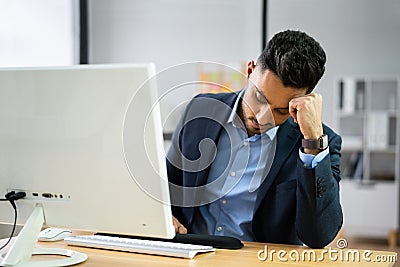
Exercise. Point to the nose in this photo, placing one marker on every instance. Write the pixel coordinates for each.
(264, 116)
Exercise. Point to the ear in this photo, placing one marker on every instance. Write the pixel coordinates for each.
(250, 68)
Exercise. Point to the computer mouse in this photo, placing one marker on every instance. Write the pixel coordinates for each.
(54, 234)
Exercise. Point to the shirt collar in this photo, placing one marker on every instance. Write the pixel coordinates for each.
(233, 117)
(237, 122)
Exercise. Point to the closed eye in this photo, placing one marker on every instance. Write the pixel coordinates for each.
(260, 97)
(282, 111)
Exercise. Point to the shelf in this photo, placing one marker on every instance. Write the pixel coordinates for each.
(371, 205)
(362, 114)
(367, 183)
(351, 149)
(389, 113)
(369, 125)
(355, 114)
(351, 126)
(386, 150)
(352, 142)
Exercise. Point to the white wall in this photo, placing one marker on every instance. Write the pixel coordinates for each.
(174, 31)
(171, 32)
(359, 37)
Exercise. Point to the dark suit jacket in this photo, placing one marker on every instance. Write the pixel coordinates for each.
(295, 205)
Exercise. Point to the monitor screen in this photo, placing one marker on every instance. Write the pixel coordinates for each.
(85, 142)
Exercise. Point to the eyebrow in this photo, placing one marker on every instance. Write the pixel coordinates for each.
(261, 93)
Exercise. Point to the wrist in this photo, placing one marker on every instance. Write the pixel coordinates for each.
(312, 133)
(310, 151)
(313, 136)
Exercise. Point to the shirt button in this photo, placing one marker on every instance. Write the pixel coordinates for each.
(219, 228)
(233, 174)
(224, 201)
(245, 143)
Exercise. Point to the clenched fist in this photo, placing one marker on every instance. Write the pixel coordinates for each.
(307, 112)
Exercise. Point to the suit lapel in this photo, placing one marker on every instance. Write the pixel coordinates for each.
(286, 140)
(213, 129)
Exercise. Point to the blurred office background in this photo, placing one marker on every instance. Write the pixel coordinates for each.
(361, 37)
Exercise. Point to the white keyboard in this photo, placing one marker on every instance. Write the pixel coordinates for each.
(137, 245)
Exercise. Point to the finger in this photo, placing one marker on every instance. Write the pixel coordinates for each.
(182, 229)
(179, 228)
(175, 223)
(293, 110)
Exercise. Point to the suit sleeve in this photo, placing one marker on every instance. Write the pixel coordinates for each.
(175, 173)
(319, 214)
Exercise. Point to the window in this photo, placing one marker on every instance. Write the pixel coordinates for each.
(38, 33)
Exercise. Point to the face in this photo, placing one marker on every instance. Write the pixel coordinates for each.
(266, 100)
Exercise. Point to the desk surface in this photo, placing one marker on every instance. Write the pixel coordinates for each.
(249, 255)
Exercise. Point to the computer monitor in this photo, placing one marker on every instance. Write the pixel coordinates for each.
(85, 144)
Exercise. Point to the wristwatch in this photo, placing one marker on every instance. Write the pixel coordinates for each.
(320, 143)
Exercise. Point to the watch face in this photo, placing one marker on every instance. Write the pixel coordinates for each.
(324, 141)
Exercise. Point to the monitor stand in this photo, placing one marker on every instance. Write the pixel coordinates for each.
(21, 251)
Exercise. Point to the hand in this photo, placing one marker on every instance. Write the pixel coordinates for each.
(307, 112)
(179, 228)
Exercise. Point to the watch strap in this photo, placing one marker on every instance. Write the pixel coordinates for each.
(320, 143)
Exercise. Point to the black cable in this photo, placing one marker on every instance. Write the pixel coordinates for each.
(13, 230)
(11, 197)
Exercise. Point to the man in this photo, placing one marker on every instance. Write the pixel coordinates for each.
(260, 165)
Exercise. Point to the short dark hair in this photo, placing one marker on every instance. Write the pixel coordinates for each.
(295, 57)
